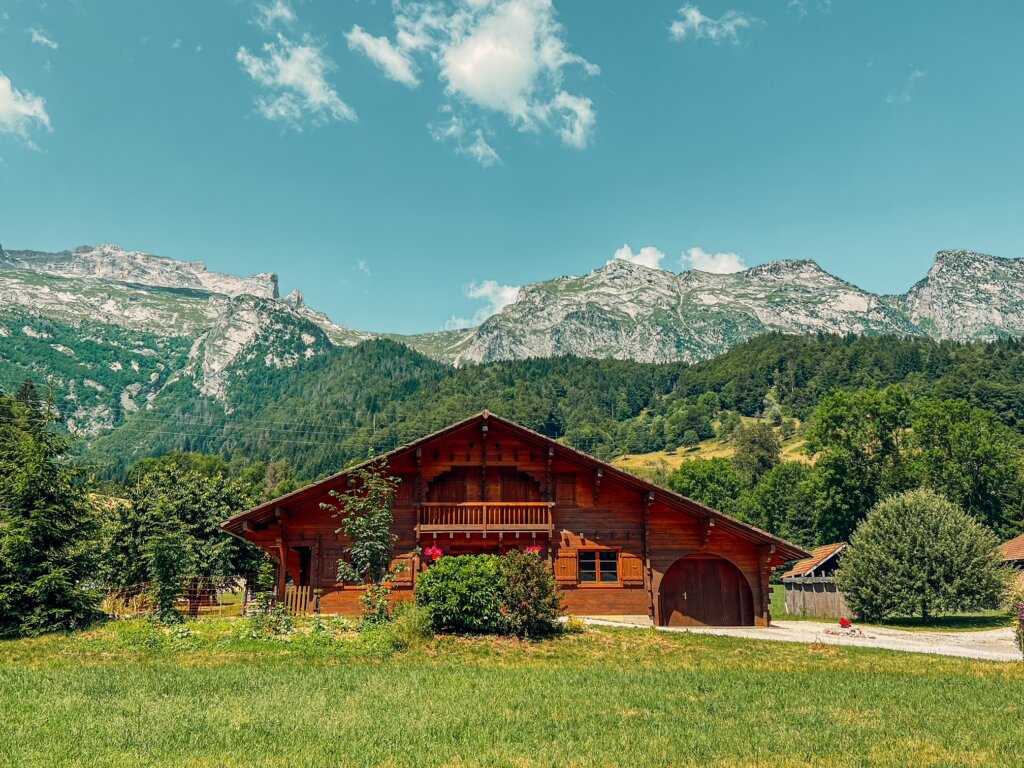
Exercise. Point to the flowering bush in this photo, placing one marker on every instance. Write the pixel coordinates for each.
(534, 549)
(433, 552)
(512, 595)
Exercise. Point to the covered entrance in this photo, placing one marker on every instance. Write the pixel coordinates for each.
(705, 591)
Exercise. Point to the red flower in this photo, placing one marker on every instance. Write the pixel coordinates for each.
(433, 552)
(534, 549)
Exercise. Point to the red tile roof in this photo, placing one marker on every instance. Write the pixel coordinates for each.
(1013, 549)
(818, 556)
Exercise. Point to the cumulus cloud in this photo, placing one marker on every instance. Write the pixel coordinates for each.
(495, 296)
(694, 25)
(905, 94)
(720, 263)
(392, 60)
(505, 57)
(39, 37)
(271, 14)
(295, 76)
(649, 256)
(20, 111)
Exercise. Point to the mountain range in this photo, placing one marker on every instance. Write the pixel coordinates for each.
(114, 331)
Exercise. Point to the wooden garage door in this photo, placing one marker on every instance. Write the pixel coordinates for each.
(706, 592)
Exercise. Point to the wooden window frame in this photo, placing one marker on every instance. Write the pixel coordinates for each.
(597, 562)
(570, 478)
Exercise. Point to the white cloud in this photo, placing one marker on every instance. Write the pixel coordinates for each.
(277, 12)
(469, 143)
(719, 263)
(496, 296)
(21, 111)
(362, 267)
(296, 76)
(507, 57)
(39, 37)
(648, 256)
(176, 43)
(392, 60)
(906, 94)
(692, 24)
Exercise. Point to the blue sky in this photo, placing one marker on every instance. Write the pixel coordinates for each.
(407, 164)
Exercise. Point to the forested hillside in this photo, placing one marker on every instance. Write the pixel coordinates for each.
(381, 394)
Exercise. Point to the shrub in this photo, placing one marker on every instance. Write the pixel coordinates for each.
(574, 625)
(268, 620)
(917, 552)
(485, 594)
(461, 594)
(530, 600)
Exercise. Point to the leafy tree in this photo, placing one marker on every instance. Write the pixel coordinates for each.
(167, 560)
(184, 497)
(782, 503)
(758, 449)
(972, 459)
(365, 510)
(918, 553)
(714, 482)
(47, 526)
(530, 599)
(858, 440)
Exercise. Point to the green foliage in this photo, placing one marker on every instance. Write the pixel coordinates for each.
(167, 558)
(782, 502)
(530, 599)
(47, 526)
(713, 482)
(411, 624)
(918, 553)
(366, 516)
(462, 594)
(187, 497)
(758, 449)
(858, 439)
(268, 619)
(514, 594)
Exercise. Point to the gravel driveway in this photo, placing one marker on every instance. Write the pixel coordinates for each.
(991, 644)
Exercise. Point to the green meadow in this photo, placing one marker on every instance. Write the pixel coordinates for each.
(130, 694)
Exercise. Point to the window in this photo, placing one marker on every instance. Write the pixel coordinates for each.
(599, 566)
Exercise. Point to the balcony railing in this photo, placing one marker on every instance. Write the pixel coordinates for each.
(485, 516)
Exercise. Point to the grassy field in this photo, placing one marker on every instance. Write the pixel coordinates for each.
(715, 448)
(131, 695)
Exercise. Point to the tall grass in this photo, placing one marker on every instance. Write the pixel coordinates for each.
(129, 694)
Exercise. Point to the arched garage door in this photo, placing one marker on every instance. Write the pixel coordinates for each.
(705, 591)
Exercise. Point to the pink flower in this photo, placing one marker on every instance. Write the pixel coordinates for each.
(433, 552)
(534, 549)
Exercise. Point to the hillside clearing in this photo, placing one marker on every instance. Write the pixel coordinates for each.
(130, 695)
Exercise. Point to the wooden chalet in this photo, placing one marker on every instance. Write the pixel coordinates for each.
(1012, 552)
(621, 548)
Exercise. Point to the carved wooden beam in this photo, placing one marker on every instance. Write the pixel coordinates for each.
(597, 485)
(648, 501)
(706, 524)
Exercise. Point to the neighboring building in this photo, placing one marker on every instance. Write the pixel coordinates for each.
(1013, 552)
(620, 547)
(810, 584)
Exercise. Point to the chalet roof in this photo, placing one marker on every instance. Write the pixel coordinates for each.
(818, 557)
(1013, 550)
(787, 550)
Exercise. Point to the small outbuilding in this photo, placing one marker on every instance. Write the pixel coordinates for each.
(810, 584)
(1013, 552)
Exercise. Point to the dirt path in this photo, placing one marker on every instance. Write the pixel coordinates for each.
(991, 644)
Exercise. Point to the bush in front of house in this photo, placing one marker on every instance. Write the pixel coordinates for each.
(530, 599)
(486, 594)
(918, 553)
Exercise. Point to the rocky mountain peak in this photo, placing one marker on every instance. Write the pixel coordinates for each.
(295, 299)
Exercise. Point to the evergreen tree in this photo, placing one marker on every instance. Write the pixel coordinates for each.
(47, 526)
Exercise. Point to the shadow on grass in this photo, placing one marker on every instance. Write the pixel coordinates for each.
(966, 621)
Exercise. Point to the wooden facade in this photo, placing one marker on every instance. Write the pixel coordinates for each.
(811, 585)
(620, 547)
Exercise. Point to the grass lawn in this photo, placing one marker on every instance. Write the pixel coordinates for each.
(130, 695)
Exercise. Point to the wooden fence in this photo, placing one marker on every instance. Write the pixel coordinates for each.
(814, 596)
(298, 600)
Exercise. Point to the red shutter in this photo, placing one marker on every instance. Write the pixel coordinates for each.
(631, 570)
(566, 568)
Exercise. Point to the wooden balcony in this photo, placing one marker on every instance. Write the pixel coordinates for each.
(485, 516)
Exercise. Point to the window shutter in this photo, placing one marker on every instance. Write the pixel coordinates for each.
(565, 566)
(404, 577)
(631, 569)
